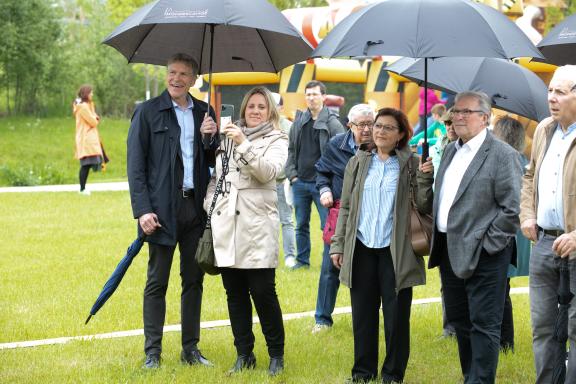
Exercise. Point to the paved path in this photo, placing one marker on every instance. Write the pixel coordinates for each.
(203, 325)
(118, 186)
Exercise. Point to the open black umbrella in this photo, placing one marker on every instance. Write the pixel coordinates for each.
(221, 35)
(511, 87)
(561, 327)
(426, 29)
(116, 277)
(559, 45)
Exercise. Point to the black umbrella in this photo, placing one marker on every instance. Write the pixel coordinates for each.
(511, 87)
(559, 45)
(561, 326)
(426, 29)
(222, 35)
(116, 276)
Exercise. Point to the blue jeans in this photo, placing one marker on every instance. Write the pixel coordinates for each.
(327, 289)
(305, 193)
(285, 213)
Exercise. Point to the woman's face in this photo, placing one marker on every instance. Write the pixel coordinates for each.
(450, 132)
(256, 111)
(386, 133)
(90, 95)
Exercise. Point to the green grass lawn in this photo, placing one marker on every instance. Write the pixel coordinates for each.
(59, 248)
(47, 145)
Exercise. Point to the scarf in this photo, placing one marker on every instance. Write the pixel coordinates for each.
(256, 132)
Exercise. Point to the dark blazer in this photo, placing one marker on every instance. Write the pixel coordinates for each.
(331, 165)
(155, 169)
(485, 211)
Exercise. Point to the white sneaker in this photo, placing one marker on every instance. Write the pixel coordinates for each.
(289, 262)
(320, 327)
(85, 192)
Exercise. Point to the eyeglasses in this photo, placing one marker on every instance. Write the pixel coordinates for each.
(386, 128)
(363, 125)
(465, 113)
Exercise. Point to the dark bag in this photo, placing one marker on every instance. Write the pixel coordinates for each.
(420, 224)
(205, 253)
(331, 220)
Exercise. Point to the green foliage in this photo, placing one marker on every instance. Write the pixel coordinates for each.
(288, 4)
(35, 151)
(28, 53)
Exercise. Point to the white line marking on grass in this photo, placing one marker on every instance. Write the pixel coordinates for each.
(203, 325)
(118, 186)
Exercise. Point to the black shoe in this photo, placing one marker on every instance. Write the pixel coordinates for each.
(194, 357)
(276, 366)
(152, 361)
(243, 362)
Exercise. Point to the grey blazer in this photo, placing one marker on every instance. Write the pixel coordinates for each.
(484, 214)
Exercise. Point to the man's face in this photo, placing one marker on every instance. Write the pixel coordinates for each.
(467, 119)
(562, 101)
(314, 98)
(179, 79)
(361, 127)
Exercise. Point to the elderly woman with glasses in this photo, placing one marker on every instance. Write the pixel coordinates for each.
(372, 244)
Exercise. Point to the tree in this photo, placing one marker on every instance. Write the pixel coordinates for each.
(28, 52)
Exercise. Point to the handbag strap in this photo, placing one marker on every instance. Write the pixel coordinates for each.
(411, 182)
(218, 190)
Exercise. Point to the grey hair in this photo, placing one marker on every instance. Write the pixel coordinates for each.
(360, 110)
(484, 102)
(566, 72)
(186, 59)
(510, 131)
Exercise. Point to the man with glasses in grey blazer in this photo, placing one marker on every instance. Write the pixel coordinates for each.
(476, 206)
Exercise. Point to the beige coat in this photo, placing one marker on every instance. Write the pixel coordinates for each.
(245, 221)
(87, 137)
(529, 197)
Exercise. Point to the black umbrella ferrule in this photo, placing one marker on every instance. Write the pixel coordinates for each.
(88, 319)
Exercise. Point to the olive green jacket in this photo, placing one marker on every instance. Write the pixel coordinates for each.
(409, 268)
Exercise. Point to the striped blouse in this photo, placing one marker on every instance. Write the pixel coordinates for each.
(377, 205)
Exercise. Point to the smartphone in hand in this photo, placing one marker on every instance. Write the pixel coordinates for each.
(226, 115)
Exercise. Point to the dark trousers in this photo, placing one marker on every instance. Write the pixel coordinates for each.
(189, 230)
(374, 283)
(475, 306)
(83, 175)
(260, 284)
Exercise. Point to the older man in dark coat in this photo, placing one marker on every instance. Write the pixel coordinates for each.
(168, 174)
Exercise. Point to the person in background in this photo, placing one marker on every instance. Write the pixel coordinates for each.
(311, 131)
(245, 226)
(285, 209)
(435, 130)
(548, 217)
(168, 174)
(510, 131)
(437, 150)
(89, 148)
(433, 99)
(372, 246)
(329, 178)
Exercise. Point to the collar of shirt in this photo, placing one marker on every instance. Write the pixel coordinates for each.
(474, 143)
(352, 142)
(570, 129)
(189, 106)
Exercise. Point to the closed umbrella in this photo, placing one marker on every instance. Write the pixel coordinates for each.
(426, 29)
(116, 277)
(511, 87)
(561, 327)
(559, 45)
(221, 35)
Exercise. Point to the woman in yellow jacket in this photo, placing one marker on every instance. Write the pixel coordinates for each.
(88, 146)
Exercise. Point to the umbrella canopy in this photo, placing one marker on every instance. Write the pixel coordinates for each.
(116, 276)
(426, 29)
(248, 35)
(561, 326)
(511, 87)
(559, 45)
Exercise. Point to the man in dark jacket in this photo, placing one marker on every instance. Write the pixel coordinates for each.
(309, 135)
(168, 174)
(329, 179)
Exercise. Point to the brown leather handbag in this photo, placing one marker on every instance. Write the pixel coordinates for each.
(420, 224)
